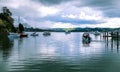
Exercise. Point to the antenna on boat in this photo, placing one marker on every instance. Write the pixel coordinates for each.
(18, 19)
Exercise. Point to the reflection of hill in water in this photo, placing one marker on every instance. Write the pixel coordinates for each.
(5, 46)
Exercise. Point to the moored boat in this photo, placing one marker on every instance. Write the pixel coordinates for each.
(67, 32)
(96, 33)
(86, 39)
(46, 33)
(13, 35)
(34, 34)
(23, 35)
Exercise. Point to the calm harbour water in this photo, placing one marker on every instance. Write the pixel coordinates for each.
(59, 52)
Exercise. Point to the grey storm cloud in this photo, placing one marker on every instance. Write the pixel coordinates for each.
(51, 2)
(93, 3)
(99, 3)
(108, 7)
(69, 20)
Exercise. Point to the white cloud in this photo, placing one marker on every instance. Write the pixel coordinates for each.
(90, 14)
(29, 8)
(62, 25)
(84, 13)
(111, 23)
(15, 4)
(69, 16)
(44, 11)
(41, 24)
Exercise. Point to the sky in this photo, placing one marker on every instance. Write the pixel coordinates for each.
(65, 13)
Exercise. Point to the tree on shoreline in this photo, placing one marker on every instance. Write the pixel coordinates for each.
(6, 21)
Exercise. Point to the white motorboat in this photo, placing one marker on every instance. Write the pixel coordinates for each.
(46, 33)
(96, 33)
(67, 32)
(13, 35)
(34, 34)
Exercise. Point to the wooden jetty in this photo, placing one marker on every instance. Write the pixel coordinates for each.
(111, 34)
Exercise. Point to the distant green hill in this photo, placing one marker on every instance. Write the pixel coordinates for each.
(72, 29)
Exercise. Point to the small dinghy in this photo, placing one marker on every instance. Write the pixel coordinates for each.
(34, 34)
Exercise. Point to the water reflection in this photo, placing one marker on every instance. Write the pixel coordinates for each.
(5, 46)
(59, 53)
(112, 44)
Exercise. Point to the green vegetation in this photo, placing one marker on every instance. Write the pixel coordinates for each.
(6, 21)
(69, 29)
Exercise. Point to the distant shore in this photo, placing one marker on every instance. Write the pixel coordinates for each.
(71, 29)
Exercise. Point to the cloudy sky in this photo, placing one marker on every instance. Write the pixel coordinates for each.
(65, 13)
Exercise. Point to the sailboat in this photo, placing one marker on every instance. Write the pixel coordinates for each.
(21, 29)
(23, 35)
